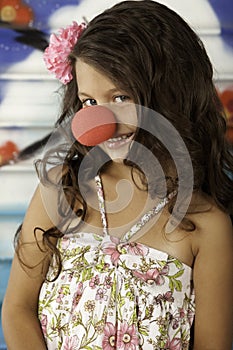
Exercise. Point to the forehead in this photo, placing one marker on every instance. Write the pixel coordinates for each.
(90, 78)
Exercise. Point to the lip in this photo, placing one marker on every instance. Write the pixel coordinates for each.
(118, 142)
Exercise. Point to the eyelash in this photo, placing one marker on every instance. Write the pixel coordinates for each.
(84, 102)
(93, 102)
(123, 97)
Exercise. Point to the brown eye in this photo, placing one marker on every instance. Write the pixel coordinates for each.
(89, 102)
(121, 98)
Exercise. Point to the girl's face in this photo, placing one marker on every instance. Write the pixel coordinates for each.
(94, 88)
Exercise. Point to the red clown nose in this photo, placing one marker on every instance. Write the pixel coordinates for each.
(93, 125)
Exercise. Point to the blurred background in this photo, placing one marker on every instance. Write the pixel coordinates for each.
(29, 95)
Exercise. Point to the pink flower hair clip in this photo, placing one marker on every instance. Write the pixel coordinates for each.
(61, 45)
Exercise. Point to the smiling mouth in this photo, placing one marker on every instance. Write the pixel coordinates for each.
(119, 141)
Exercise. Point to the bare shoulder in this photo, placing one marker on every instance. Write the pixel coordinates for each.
(213, 226)
(42, 211)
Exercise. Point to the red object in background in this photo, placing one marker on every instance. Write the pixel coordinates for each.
(8, 151)
(16, 12)
(226, 97)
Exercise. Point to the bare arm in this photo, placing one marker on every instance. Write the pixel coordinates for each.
(19, 312)
(20, 322)
(213, 284)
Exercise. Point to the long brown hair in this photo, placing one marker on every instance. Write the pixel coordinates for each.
(150, 52)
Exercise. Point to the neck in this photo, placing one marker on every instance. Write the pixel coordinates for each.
(118, 171)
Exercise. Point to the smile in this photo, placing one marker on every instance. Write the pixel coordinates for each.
(117, 142)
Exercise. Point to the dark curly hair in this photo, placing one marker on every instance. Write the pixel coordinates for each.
(150, 52)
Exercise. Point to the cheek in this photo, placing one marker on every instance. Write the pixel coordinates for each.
(126, 114)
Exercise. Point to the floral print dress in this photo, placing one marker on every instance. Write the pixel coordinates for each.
(116, 294)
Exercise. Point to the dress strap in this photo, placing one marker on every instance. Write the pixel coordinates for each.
(142, 221)
(147, 217)
(100, 195)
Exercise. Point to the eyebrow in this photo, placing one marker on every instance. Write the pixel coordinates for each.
(83, 94)
(111, 91)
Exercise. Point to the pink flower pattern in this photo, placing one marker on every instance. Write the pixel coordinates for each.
(71, 343)
(101, 295)
(137, 249)
(77, 295)
(44, 322)
(174, 344)
(153, 275)
(95, 281)
(127, 338)
(109, 338)
(111, 248)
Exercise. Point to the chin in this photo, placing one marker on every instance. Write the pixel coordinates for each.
(116, 155)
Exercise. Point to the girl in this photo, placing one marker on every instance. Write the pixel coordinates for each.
(106, 258)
